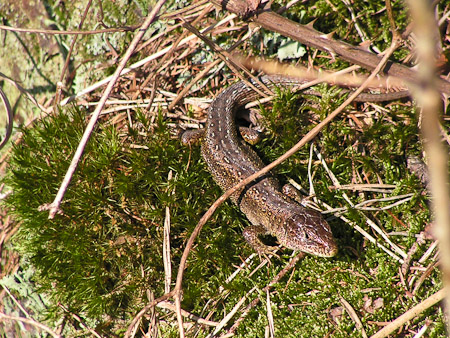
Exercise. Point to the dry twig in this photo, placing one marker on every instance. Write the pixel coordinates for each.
(31, 322)
(428, 98)
(410, 314)
(54, 207)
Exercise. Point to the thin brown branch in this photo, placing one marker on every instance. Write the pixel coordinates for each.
(228, 59)
(69, 54)
(428, 98)
(411, 313)
(353, 315)
(155, 74)
(188, 86)
(54, 207)
(60, 85)
(185, 10)
(25, 92)
(152, 304)
(255, 301)
(9, 118)
(31, 322)
(390, 15)
(169, 306)
(79, 320)
(200, 75)
(307, 35)
(53, 32)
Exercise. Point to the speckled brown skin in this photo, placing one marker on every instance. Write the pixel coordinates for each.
(230, 160)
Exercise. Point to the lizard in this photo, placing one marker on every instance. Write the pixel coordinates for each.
(270, 209)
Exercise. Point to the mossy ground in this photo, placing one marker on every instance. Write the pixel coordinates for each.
(102, 258)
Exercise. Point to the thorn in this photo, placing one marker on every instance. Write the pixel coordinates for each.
(365, 45)
(311, 23)
(330, 35)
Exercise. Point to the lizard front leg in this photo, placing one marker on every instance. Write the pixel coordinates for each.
(251, 235)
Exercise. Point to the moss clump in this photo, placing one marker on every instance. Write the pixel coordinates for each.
(104, 252)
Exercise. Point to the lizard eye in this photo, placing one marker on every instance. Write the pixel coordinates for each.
(307, 236)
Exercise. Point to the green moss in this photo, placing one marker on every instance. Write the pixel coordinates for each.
(104, 252)
(102, 257)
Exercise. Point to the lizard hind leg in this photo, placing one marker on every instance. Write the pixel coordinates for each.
(192, 137)
(289, 190)
(251, 136)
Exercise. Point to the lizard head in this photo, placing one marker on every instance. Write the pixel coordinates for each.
(308, 232)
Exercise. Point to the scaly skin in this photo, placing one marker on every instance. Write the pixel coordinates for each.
(230, 160)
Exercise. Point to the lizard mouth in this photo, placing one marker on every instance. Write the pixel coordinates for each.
(322, 249)
(328, 250)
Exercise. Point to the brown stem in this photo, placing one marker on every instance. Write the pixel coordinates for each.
(307, 35)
